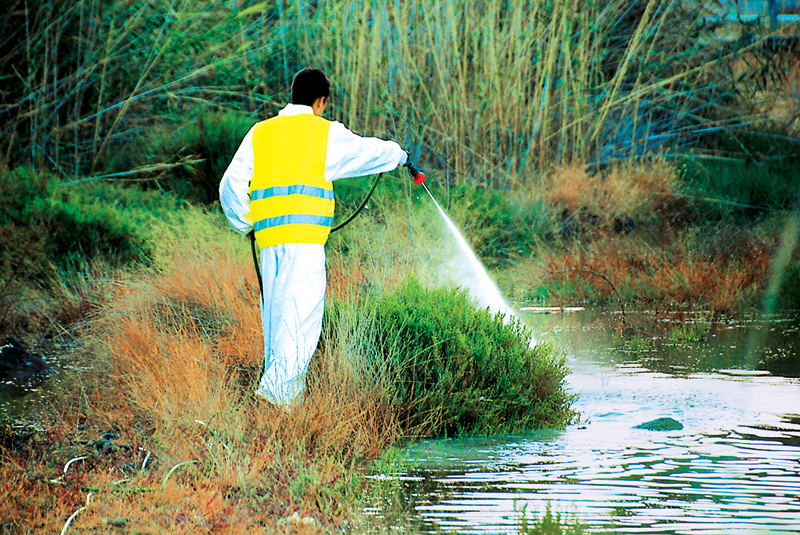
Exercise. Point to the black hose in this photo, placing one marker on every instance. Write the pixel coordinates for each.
(252, 235)
(361, 206)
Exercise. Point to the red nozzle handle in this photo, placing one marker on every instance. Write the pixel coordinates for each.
(416, 175)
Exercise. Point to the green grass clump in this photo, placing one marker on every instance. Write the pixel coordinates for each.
(77, 222)
(550, 524)
(461, 371)
(759, 174)
(55, 237)
(197, 148)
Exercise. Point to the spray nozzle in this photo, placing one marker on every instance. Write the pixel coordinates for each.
(416, 175)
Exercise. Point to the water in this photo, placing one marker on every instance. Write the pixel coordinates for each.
(734, 468)
(676, 342)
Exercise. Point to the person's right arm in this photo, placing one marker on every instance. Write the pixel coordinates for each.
(351, 155)
(234, 188)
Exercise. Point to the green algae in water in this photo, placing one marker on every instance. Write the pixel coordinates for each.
(661, 424)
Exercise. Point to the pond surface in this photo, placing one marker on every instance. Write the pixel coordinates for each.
(733, 468)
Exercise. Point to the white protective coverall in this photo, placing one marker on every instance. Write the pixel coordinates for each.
(294, 273)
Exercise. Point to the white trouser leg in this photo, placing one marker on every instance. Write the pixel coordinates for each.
(294, 300)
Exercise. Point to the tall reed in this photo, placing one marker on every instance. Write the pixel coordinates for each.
(497, 91)
(486, 91)
(82, 78)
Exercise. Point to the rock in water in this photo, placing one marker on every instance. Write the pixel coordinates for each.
(19, 366)
(661, 424)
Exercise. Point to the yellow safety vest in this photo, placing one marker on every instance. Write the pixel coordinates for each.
(290, 200)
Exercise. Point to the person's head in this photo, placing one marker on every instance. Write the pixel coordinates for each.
(312, 88)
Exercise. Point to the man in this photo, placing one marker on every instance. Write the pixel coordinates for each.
(279, 184)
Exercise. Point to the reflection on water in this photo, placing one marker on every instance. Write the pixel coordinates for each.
(677, 342)
(733, 468)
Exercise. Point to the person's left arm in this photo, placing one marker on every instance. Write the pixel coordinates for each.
(234, 188)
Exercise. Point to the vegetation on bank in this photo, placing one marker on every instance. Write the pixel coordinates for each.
(172, 354)
(616, 151)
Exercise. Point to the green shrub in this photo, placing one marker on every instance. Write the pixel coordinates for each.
(790, 287)
(22, 237)
(761, 174)
(461, 371)
(88, 231)
(51, 232)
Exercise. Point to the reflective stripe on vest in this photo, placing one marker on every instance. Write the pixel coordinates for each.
(293, 219)
(291, 190)
(290, 200)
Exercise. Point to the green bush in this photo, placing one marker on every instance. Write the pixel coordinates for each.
(461, 371)
(790, 287)
(761, 174)
(50, 233)
(22, 238)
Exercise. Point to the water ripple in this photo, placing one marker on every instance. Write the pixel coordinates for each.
(733, 469)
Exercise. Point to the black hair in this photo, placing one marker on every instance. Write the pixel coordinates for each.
(308, 85)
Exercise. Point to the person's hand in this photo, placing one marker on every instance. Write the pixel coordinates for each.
(416, 175)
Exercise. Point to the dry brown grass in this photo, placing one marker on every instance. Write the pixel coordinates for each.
(143, 502)
(634, 189)
(628, 230)
(671, 274)
(174, 358)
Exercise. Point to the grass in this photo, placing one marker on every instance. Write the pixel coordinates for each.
(171, 374)
(643, 273)
(176, 347)
(461, 371)
(630, 234)
(502, 96)
(550, 524)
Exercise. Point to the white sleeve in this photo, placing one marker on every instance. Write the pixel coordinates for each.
(350, 155)
(234, 188)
